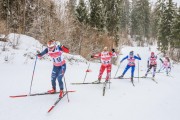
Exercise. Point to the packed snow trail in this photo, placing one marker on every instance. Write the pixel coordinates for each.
(145, 101)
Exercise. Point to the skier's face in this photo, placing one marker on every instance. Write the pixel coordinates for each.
(51, 48)
(131, 54)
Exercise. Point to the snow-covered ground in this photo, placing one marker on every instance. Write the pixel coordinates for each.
(146, 101)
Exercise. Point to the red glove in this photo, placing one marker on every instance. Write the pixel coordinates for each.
(39, 56)
(65, 49)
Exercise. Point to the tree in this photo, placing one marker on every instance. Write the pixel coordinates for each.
(97, 15)
(140, 19)
(81, 12)
(165, 26)
(176, 30)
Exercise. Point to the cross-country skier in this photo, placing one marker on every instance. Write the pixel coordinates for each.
(59, 65)
(166, 65)
(152, 63)
(131, 63)
(105, 57)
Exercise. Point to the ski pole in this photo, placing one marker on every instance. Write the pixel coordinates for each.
(138, 70)
(117, 70)
(110, 80)
(66, 89)
(86, 73)
(33, 75)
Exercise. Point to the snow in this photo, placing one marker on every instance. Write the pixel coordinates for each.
(146, 101)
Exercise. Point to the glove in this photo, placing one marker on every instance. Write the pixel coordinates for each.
(148, 66)
(113, 50)
(92, 56)
(39, 56)
(38, 52)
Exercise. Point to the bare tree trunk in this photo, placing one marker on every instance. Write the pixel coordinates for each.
(24, 17)
(7, 19)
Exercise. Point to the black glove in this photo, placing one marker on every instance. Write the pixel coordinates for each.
(92, 56)
(113, 50)
(38, 52)
(148, 66)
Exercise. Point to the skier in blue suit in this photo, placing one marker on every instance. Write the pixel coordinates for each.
(131, 63)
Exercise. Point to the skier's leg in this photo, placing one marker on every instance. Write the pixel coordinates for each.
(132, 71)
(101, 72)
(53, 79)
(154, 70)
(125, 70)
(167, 70)
(61, 73)
(108, 72)
(148, 70)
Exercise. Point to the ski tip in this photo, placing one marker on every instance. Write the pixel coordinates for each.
(50, 109)
(71, 90)
(17, 96)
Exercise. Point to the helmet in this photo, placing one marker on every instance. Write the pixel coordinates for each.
(131, 53)
(152, 54)
(105, 48)
(51, 44)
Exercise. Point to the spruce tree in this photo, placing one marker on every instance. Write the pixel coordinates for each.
(176, 30)
(165, 26)
(140, 18)
(97, 17)
(81, 12)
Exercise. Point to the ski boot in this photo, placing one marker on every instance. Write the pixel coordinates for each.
(106, 81)
(145, 76)
(121, 76)
(97, 81)
(132, 79)
(52, 91)
(153, 77)
(61, 94)
(167, 74)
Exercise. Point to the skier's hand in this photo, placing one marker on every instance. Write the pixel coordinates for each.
(148, 66)
(92, 56)
(113, 50)
(39, 56)
(38, 52)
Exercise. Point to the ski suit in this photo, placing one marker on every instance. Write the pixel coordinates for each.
(151, 63)
(131, 63)
(59, 64)
(106, 63)
(166, 65)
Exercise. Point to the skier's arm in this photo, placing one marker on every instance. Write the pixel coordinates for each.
(96, 55)
(42, 53)
(137, 57)
(113, 53)
(64, 49)
(124, 59)
(161, 60)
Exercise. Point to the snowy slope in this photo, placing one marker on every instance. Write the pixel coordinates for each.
(146, 101)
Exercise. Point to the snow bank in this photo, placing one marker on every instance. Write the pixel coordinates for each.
(25, 47)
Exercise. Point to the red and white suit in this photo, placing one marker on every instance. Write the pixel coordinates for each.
(105, 57)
